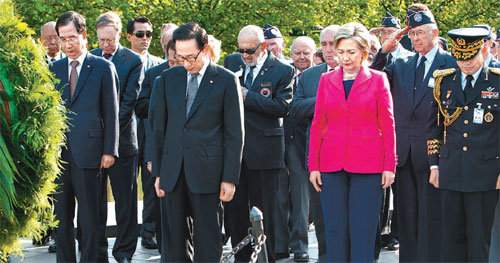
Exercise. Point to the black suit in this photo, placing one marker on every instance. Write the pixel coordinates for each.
(123, 174)
(151, 202)
(263, 155)
(419, 215)
(149, 194)
(302, 108)
(468, 162)
(93, 132)
(193, 154)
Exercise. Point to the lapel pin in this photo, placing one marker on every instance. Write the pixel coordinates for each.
(211, 81)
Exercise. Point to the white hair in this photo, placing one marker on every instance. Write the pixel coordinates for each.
(51, 23)
(252, 31)
(306, 40)
(332, 28)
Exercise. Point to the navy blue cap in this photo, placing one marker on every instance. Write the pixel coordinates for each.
(390, 21)
(487, 27)
(467, 42)
(271, 32)
(415, 19)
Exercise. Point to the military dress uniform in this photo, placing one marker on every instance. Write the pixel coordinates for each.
(463, 141)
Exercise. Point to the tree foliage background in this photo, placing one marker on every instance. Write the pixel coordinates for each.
(224, 18)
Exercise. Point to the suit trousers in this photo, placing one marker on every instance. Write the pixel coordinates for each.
(351, 207)
(189, 214)
(150, 208)
(256, 188)
(469, 220)
(294, 187)
(85, 185)
(495, 235)
(419, 216)
(123, 180)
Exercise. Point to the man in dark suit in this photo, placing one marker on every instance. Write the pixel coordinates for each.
(302, 108)
(123, 175)
(267, 90)
(139, 34)
(464, 147)
(419, 215)
(292, 210)
(89, 86)
(198, 140)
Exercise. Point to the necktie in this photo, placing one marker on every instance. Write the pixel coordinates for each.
(249, 80)
(52, 60)
(468, 86)
(192, 89)
(73, 78)
(419, 76)
(107, 56)
(300, 74)
(389, 59)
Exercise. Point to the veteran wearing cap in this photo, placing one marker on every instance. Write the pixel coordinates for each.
(489, 41)
(419, 212)
(275, 42)
(463, 147)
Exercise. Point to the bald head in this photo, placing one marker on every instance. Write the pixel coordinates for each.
(252, 33)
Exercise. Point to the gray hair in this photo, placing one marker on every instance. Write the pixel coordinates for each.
(306, 40)
(252, 31)
(51, 23)
(109, 19)
(332, 28)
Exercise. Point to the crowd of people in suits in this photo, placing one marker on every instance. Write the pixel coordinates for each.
(319, 139)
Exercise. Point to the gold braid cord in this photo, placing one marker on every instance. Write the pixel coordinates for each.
(448, 120)
(433, 146)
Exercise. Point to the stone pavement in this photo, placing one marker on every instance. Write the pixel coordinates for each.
(40, 254)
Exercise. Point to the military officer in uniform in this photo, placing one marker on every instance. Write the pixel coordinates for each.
(463, 147)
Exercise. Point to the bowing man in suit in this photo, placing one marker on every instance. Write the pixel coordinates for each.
(89, 86)
(123, 175)
(419, 212)
(267, 89)
(198, 140)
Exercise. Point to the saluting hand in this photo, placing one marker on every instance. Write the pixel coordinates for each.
(387, 178)
(434, 178)
(498, 182)
(226, 191)
(107, 161)
(159, 192)
(391, 44)
(315, 179)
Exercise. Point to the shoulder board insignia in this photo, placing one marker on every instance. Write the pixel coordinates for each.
(443, 72)
(495, 70)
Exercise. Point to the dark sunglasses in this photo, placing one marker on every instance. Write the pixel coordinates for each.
(248, 51)
(141, 34)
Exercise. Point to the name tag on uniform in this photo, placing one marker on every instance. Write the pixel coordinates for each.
(478, 116)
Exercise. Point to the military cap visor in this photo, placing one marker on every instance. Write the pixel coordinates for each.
(490, 32)
(466, 42)
(390, 21)
(415, 19)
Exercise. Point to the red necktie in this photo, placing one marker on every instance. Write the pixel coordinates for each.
(107, 56)
(300, 74)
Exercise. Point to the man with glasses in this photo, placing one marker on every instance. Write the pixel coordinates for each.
(266, 86)
(197, 147)
(89, 89)
(123, 175)
(50, 40)
(293, 184)
(411, 81)
(139, 34)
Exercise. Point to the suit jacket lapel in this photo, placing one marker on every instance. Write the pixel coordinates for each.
(82, 78)
(64, 84)
(265, 71)
(336, 80)
(438, 63)
(206, 86)
(118, 58)
(410, 78)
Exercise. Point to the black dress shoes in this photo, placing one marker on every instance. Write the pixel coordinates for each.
(149, 243)
(52, 246)
(301, 257)
(281, 255)
(393, 244)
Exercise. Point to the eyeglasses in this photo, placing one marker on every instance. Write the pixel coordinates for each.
(70, 39)
(189, 59)
(104, 40)
(248, 51)
(417, 33)
(51, 38)
(140, 34)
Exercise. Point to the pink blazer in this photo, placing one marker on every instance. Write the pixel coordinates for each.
(356, 135)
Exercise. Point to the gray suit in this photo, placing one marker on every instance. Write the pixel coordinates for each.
(302, 110)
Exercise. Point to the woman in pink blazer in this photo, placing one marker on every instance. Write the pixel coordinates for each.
(352, 153)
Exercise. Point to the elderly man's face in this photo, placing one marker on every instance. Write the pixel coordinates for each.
(423, 38)
(386, 32)
(250, 44)
(328, 49)
(50, 40)
(276, 45)
(108, 37)
(302, 55)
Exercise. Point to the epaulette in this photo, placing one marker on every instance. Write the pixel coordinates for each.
(495, 70)
(443, 72)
